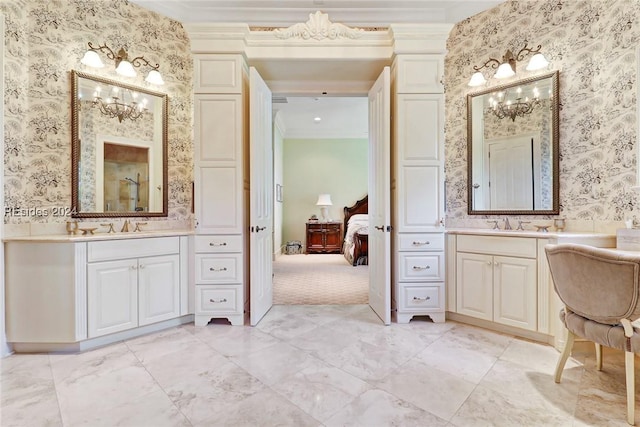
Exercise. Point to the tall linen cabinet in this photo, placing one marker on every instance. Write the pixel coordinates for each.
(417, 187)
(221, 188)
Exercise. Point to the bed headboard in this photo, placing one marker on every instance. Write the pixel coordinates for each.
(360, 207)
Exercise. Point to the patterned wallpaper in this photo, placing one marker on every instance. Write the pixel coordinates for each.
(593, 43)
(44, 40)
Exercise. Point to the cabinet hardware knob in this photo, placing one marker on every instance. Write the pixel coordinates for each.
(218, 269)
(496, 263)
(421, 299)
(219, 301)
(141, 265)
(488, 262)
(421, 243)
(218, 244)
(134, 267)
(417, 267)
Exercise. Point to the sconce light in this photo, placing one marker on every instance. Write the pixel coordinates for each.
(117, 106)
(124, 66)
(324, 200)
(507, 67)
(503, 107)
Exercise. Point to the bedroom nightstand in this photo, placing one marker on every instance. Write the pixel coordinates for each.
(324, 237)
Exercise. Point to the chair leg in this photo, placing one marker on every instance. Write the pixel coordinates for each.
(598, 356)
(565, 355)
(630, 374)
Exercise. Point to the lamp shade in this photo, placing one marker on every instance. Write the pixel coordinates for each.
(504, 71)
(154, 78)
(477, 79)
(92, 59)
(126, 69)
(324, 200)
(537, 62)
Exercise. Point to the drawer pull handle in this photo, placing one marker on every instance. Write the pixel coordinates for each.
(218, 244)
(218, 269)
(421, 243)
(217, 302)
(417, 267)
(421, 299)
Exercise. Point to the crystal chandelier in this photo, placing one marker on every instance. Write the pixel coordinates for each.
(503, 107)
(116, 106)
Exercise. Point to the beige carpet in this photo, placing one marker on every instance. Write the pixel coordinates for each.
(319, 279)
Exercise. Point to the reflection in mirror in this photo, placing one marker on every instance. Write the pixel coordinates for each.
(119, 152)
(513, 148)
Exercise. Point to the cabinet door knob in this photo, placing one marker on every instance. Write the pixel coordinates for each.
(488, 262)
(134, 267)
(218, 269)
(141, 265)
(218, 244)
(496, 263)
(217, 302)
(421, 299)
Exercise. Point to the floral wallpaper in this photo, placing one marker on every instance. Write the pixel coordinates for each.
(593, 44)
(44, 40)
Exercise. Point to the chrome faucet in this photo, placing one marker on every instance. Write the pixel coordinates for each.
(495, 224)
(520, 227)
(138, 224)
(507, 226)
(125, 226)
(110, 225)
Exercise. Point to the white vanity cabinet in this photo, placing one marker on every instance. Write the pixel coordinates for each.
(500, 280)
(418, 188)
(124, 294)
(69, 293)
(502, 289)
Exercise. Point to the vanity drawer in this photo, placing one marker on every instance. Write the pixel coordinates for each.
(421, 242)
(218, 268)
(218, 299)
(421, 267)
(509, 246)
(218, 243)
(107, 250)
(421, 297)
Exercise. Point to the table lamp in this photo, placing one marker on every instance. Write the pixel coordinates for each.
(324, 201)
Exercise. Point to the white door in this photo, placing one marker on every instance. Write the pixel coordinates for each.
(158, 288)
(379, 197)
(261, 196)
(511, 173)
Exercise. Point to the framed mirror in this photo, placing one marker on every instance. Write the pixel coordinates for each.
(119, 149)
(513, 148)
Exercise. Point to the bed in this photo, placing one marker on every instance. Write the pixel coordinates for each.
(356, 232)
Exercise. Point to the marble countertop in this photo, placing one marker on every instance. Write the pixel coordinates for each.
(530, 233)
(61, 238)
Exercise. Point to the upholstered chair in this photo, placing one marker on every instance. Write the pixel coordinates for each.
(599, 288)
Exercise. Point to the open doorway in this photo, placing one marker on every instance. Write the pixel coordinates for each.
(321, 161)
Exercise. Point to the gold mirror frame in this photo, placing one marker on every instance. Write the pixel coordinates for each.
(76, 147)
(555, 148)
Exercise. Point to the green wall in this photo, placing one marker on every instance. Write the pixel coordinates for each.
(338, 167)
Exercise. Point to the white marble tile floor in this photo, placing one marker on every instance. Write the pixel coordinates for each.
(314, 366)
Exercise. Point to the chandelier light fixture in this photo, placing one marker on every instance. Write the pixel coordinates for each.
(501, 106)
(124, 65)
(116, 106)
(507, 67)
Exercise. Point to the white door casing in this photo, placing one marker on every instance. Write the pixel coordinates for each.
(261, 196)
(379, 196)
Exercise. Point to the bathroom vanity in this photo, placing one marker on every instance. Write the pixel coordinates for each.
(500, 280)
(70, 293)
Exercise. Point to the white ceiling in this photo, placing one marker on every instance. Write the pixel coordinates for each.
(341, 117)
(276, 13)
